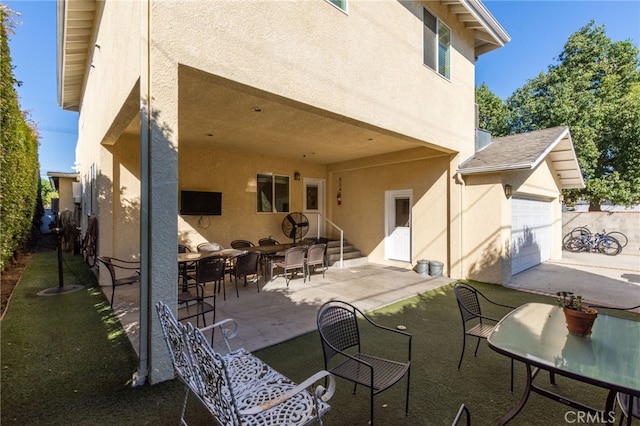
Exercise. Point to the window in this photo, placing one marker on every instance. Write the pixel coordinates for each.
(341, 4)
(437, 45)
(272, 193)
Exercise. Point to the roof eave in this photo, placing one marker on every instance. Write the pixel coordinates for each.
(488, 33)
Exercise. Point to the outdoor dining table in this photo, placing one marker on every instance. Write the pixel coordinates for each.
(194, 256)
(185, 258)
(536, 335)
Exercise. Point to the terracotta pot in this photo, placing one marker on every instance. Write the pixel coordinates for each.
(579, 323)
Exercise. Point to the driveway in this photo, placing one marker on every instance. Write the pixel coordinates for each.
(600, 279)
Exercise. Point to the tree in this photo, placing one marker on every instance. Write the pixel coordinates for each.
(492, 112)
(46, 192)
(18, 155)
(595, 90)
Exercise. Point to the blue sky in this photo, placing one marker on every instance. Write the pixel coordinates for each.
(538, 30)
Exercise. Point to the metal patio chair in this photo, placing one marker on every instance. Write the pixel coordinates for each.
(130, 268)
(187, 269)
(630, 407)
(475, 324)
(190, 305)
(240, 244)
(339, 328)
(245, 265)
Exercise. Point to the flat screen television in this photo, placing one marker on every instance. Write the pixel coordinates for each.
(200, 203)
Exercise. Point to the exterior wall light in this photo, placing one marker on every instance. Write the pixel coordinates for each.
(508, 190)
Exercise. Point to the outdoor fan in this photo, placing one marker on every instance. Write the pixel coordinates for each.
(295, 226)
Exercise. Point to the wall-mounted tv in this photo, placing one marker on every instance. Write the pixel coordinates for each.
(200, 203)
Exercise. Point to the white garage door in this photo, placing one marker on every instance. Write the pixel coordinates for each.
(530, 233)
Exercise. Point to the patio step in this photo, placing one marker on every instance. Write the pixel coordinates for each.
(351, 256)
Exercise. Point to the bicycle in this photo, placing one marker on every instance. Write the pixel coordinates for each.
(583, 231)
(622, 239)
(90, 241)
(600, 242)
(580, 231)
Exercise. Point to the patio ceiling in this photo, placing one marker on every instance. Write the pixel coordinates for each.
(214, 111)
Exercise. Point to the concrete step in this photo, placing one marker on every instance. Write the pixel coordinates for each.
(336, 250)
(348, 263)
(351, 256)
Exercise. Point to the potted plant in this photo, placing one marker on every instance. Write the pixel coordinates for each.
(578, 315)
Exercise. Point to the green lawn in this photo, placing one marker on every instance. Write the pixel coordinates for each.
(66, 360)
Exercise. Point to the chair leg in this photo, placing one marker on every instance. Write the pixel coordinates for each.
(184, 406)
(113, 294)
(371, 422)
(464, 341)
(475, 353)
(406, 408)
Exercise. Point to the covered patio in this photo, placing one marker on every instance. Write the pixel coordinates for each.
(279, 312)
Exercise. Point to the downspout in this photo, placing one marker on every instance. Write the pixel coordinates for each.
(457, 178)
(140, 376)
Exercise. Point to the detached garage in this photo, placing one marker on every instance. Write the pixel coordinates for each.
(512, 202)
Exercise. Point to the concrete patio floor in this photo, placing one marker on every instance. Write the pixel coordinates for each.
(279, 313)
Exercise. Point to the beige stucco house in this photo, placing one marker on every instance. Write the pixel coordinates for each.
(358, 113)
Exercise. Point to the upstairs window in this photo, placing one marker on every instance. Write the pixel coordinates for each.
(437, 45)
(272, 193)
(340, 4)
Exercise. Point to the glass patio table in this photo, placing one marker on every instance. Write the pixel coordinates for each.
(536, 334)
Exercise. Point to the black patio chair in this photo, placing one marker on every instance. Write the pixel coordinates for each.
(268, 241)
(117, 268)
(187, 269)
(339, 328)
(473, 322)
(190, 305)
(630, 407)
(245, 265)
(240, 244)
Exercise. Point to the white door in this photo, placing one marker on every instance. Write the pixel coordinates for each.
(314, 206)
(398, 225)
(530, 233)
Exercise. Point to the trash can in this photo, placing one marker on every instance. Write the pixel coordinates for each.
(422, 267)
(435, 268)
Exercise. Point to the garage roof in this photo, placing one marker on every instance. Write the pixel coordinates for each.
(525, 151)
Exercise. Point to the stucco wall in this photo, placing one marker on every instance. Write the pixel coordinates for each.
(488, 216)
(371, 72)
(65, 192)
(362, 212)
(234, 174)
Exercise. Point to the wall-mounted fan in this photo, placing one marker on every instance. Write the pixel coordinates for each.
(295, 226)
